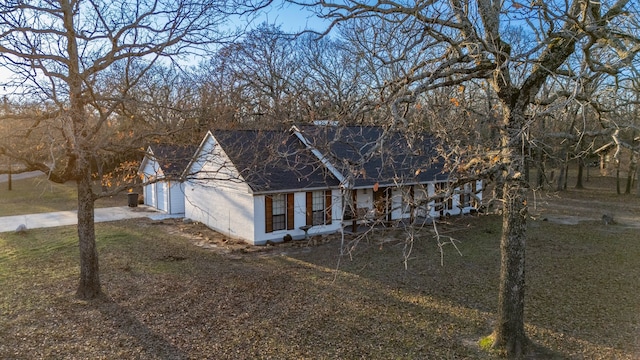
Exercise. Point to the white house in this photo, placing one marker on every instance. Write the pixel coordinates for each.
(162, 170)
(387, 177)
(263, 186)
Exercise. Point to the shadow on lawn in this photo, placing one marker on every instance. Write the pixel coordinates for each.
(154, 345)
(538, 351)
(468, 284)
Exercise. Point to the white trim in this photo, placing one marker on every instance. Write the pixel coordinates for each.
(319, 155)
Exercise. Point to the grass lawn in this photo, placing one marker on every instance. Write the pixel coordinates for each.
(169, 299)
(38, 195)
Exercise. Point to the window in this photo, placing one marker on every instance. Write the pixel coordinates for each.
(279, 212)
(440, 195)
(318, 207)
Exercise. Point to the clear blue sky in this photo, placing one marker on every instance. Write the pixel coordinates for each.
(291, 18)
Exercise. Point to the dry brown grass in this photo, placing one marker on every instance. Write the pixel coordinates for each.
(170, 294)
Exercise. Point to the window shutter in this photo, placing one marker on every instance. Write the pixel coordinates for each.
(309, 208)
(290, 214)
(268, 213)
(327, 204)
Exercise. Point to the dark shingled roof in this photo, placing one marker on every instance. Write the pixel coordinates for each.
(173, 159)
(368, 155)
(273, 160)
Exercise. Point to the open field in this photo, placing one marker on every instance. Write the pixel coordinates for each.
(38, 195)
(171, 294)
(574, 206)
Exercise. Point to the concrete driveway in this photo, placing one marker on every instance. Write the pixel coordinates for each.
(63, 218)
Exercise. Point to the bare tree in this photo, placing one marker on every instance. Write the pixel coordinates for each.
(59, 52)
(268, 78)
(219, 94)
(265, 63)
(457, 41)
(332, 80)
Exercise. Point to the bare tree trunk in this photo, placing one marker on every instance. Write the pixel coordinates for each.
(560, 182)
(638, 181)
(627, 188)
(527, 166)
(509, 333)
(630, 173)
(541, 169)
(618, 191)
(580, 173)
(566, 172)
(89, 286)
(561, 176)
(9, 178)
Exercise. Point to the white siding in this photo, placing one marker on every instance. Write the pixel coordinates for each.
(364, 199)
(176, 198)
(161, 196)
(400, 203)
(213, 166)
(299, 208)
(225, 210)
(152, 169)
(216, 195)
(166, 196)
(154, 194)
(149, 192)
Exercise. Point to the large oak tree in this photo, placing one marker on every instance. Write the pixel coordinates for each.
(64, 57)
(517, 47)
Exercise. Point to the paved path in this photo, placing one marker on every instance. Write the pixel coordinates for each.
(62, 218)
(27, 175)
